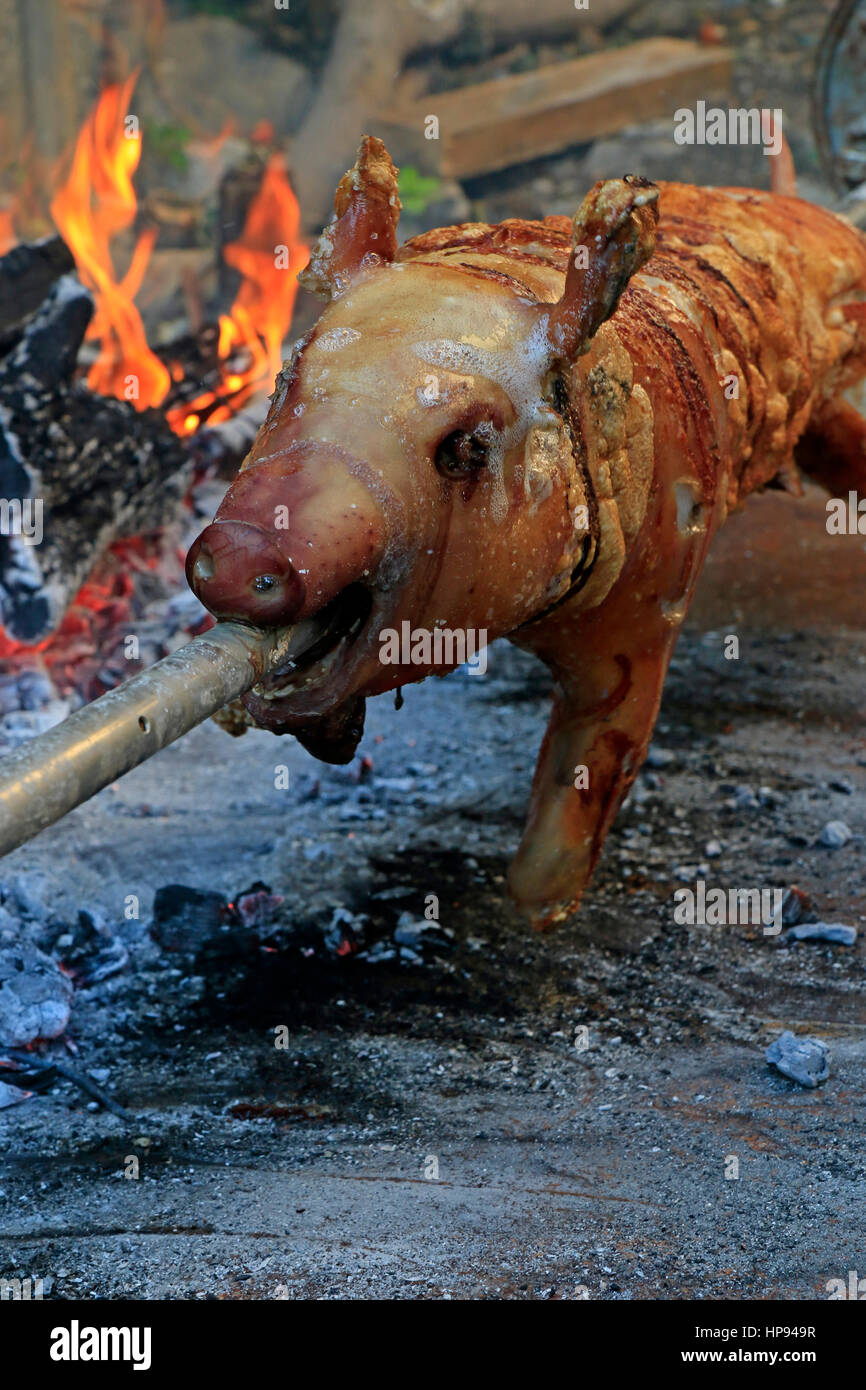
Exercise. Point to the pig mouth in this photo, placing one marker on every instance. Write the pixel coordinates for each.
(316, 674)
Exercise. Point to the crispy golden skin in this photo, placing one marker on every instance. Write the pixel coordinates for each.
(622, 380)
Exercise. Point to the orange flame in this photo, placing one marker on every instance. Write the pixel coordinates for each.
(95, 203)
(98, 201)
(268, 255)
(7, 230)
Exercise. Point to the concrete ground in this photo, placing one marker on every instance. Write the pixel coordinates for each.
(474, 1111)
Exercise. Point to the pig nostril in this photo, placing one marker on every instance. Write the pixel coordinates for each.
(239, 572)
(203, 567)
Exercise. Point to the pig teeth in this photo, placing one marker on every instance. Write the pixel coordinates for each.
(303, 636)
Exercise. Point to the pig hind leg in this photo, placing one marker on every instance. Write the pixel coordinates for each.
(833, 449)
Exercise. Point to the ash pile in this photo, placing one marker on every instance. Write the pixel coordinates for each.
(76, 986)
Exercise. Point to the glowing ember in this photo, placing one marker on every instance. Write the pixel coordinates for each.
(87, 655)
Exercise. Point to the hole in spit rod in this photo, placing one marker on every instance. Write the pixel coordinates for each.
(144, 723)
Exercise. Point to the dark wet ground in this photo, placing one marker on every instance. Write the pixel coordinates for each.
(561, 1172)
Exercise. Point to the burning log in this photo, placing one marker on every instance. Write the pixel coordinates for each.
(82, 468)
(27, 273)
(77, 470)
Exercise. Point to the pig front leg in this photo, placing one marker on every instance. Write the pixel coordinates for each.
(609, 665)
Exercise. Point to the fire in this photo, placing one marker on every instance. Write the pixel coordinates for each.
(268, 255)
(98, 201)
(7, 230)
(95, 203)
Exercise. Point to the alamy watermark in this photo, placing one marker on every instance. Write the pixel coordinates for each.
(855, 1288)
(77, 1343)
(439, 646)
(846, 517)
(21, 1290)
(717, 907)
(735, 125)
(22, 518)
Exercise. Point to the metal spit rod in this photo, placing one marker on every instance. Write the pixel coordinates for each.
(51, 774)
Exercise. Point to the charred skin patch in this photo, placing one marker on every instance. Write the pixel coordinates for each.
(583, 568)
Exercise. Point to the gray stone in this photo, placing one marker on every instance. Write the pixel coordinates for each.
(804, 1060)
(823, 931)
(659, 757)
(744, 799)
(834, 835)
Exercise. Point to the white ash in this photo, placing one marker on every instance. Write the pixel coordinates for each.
(35, 996)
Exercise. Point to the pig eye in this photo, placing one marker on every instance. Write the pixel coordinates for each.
(460, 454)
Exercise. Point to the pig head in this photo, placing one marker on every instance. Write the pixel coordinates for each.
(420, 460)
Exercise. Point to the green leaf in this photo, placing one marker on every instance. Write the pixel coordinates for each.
(416, 190)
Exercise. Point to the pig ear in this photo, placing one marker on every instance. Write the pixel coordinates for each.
(363, 230)
(613, 235)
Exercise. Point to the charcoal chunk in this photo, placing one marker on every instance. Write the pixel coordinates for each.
(186, 919)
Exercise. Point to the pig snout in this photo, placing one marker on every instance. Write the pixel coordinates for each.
(237, 571)
(292, 534)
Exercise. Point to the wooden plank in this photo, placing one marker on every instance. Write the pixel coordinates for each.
(495, 124)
